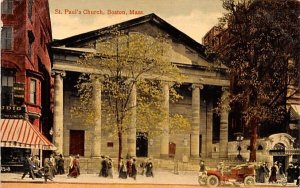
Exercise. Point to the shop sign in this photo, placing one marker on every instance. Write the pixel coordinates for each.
(19, 93)
(13, 112)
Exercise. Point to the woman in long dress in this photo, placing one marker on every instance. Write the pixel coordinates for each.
(149, 168)
(122, 170)
(75, 170)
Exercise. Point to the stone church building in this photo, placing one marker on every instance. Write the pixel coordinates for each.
(206, 83)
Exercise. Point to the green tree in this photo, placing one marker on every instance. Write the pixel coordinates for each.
(131, 63)
(260, 45)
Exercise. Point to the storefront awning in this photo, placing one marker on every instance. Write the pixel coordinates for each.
(21, 133)
(295, 112)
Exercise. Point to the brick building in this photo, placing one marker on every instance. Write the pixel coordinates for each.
(25, 73)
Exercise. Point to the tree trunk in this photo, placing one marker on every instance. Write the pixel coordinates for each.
(120, 148)
(253, 140)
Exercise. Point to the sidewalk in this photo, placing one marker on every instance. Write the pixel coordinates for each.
(160, 177)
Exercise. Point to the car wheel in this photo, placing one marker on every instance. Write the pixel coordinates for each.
(249, 180)
(213, 181)
(202, 180)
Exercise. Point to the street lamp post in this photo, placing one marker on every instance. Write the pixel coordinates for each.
(239, 139)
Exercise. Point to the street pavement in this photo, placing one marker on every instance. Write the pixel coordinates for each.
(160, 179)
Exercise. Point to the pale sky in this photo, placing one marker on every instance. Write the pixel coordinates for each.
(192, 17)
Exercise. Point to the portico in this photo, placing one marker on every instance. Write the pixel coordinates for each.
(203, 87)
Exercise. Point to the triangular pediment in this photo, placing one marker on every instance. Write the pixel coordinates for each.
(186, 50)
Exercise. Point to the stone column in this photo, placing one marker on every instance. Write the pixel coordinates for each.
(195, 120)
(131, 140)
(209, 129)
(164, 142)
(58, 120)
(96, 145)
(223, 147)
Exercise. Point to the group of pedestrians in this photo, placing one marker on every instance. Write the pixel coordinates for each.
(48, 169)
(106, 169)
(126, 168)
(277, 173)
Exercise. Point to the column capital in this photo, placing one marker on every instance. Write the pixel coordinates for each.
(97, 77)
(168, 83)
(225, 88)
(197, 85)
(58, 72)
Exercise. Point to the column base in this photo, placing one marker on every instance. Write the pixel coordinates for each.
(195, 157)
(95, 157)
(221, 157)
(164, 156)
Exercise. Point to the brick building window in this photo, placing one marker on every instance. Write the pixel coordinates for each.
(6, 37)
(33, 91)
(7, 7)
(31, 39)
(30, 5)
(7, 83)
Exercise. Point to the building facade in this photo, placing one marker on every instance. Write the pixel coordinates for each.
(25, 66)
(205, 84)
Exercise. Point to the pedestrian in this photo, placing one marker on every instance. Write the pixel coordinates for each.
(56, 159)
(128, 165)
(36, 161)
(52, 165)
(110, 168)
(149, 168)
(296, 172)
(290, 173)
(143, 166)
(202, 166)
(36, 167)
(220, 167)
(75, 171)
(297, 175)
(133, 169)
(273, 178)
(104, 167)
(266, 172)
(261, 173)
(61, 164)
(28, 168)
(47, 170)
(101, 166)
(71, 164)
(122, 169)
(281, 171)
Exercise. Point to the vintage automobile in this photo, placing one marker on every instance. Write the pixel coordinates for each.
(244, 173)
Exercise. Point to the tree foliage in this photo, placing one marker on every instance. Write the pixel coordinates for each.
(129, 62)
(260, 45)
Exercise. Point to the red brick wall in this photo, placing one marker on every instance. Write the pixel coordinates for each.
(18, 58)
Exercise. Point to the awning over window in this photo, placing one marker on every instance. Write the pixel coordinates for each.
(21, 133)
(295, 112)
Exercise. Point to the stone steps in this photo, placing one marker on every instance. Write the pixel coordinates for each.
(92, 165)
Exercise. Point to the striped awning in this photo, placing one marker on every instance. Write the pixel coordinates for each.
(22, 134)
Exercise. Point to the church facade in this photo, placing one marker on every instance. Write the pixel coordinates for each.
(205, 83)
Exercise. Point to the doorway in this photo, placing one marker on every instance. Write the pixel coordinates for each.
(77, 142)
(279, 154)
(141, 144)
